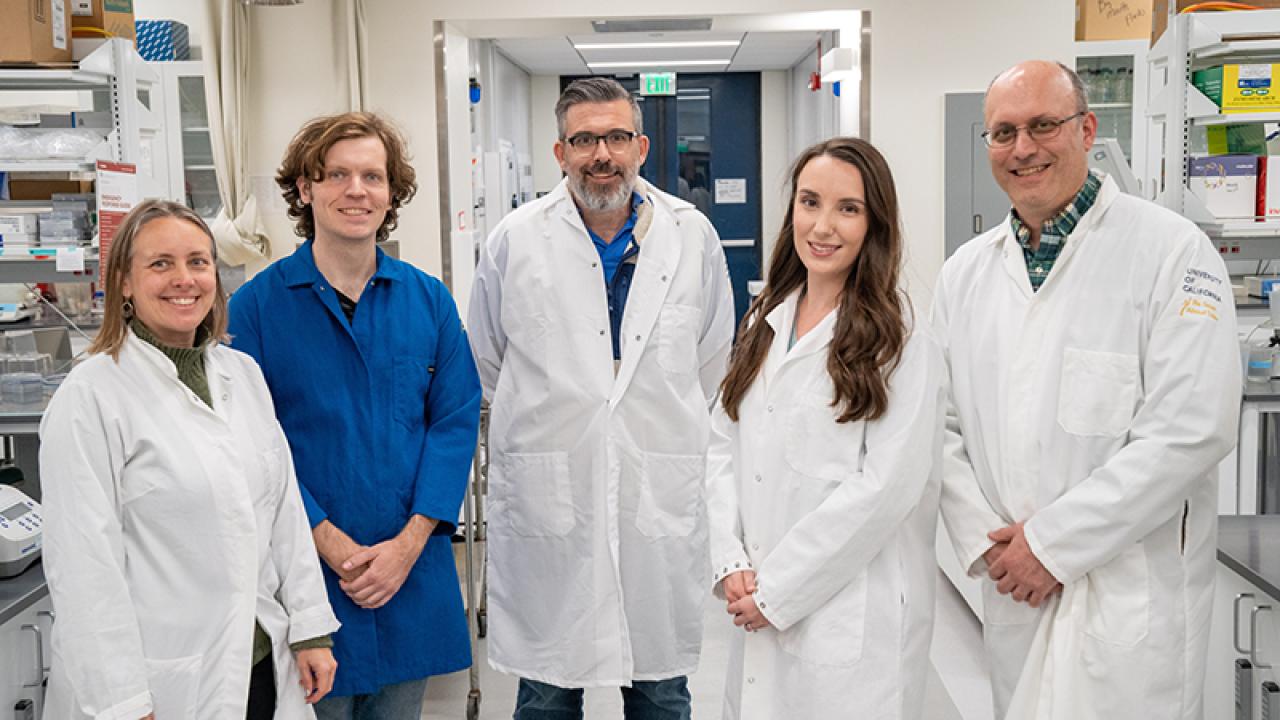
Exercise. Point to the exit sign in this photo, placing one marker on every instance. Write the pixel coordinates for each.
(658, 83)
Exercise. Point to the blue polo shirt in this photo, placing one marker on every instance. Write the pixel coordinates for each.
(381, 413)
(617, 261)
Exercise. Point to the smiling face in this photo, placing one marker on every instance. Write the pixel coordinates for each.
(601, 179)
(1040, 176)
(350, 201)
(172, 279)
(829, 216)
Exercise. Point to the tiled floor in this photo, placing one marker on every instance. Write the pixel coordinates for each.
(957, 670)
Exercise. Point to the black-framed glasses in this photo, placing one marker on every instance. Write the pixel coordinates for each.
(1039, 130)
(615, 140)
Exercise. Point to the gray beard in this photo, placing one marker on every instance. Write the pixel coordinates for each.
(601, 199)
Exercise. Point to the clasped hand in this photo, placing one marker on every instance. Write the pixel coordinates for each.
(1016, 570)
(739, 593)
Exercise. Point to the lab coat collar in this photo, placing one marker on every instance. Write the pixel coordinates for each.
(300, 269)
(220, 380)
(782, 318)
(1015, 263)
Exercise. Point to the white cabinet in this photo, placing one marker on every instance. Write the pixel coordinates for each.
(1114, 73)
(184, 159)
(1245, 628)
(25, 653)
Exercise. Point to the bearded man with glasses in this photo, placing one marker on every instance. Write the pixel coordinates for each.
(601, 320)
(1094, 388)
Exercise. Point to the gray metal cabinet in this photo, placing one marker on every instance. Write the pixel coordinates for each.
(974, 203)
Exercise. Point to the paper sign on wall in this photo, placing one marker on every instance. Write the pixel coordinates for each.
(117, 189)
(731, 191)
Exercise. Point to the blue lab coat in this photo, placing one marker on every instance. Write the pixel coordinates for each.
(381, 415)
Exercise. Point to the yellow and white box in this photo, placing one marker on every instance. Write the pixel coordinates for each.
(1241, 88)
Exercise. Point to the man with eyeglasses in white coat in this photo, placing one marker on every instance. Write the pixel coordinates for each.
(1094, 388)
(601, 319)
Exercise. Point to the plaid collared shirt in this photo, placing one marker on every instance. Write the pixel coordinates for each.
(1054, 232)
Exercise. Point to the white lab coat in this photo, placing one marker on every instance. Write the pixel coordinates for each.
(169, 528)
(1096, 410)
(597, 525)
(838, 521)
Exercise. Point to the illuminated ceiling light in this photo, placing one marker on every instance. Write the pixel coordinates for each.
(658, 45)
(656, 63)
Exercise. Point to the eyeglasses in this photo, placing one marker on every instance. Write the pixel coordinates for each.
(1040, 129)
(615, 140)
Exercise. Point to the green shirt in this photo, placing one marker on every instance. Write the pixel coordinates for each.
(1054, 232)
(189, 363)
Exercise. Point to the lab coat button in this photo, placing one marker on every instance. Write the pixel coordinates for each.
(737, 564)
(758, 477)
(754, 546)
(751, 680)
(637, 338)
(664, 278)
(595, 264)
(601, 332)
(770, 408)
(225, 396)
(763, 606)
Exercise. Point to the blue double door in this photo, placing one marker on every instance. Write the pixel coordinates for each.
(704, 146)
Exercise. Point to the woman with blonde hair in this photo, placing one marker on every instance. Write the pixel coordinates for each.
(822, 484)
(178, 555)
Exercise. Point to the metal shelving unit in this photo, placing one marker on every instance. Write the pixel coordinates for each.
(1193, 41)
(118, 77)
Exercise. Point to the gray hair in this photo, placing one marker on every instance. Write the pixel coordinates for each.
(1077, 87)
(595, 90)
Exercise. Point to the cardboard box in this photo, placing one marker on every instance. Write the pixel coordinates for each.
(1227, 184)
(44, 189)
(1160, 12)
(114, 16)
(1241, 88)
(163, 40)
(35, 31)
(1113, 19)
(1271, 187)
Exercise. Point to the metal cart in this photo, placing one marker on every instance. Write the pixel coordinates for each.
(473, 531)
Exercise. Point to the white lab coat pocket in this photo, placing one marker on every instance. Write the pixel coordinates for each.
(678, 339)
(832, 635)
(1098, 393)
(534, 493)
(670, 494)
(1119, 606)
(174, 685)
(816, 445)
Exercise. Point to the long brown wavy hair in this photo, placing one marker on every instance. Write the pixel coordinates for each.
(871, 323)
(304, 158)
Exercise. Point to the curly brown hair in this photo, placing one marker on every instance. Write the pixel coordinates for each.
(305, 159)
(871, 323)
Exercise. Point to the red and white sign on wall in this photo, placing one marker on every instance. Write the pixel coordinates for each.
(117, 188)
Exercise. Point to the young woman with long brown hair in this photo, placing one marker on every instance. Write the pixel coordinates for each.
(822, 488)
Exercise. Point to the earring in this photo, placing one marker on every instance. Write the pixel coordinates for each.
(127, 307)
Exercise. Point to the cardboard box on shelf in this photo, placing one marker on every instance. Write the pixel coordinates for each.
(162, 40)
(1112, 19)
(113, 16)
(35, 31)
(1271, 187)
(1160, 12)
(44, 189)
(1241, 88)
(1227, 184)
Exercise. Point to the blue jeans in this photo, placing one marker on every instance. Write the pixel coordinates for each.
(659, 700)
(402, 701)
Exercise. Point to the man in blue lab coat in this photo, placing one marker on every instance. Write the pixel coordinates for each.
(375, 386)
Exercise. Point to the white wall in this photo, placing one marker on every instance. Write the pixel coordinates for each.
(919, 50)
(542, 124)
(774, 156)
